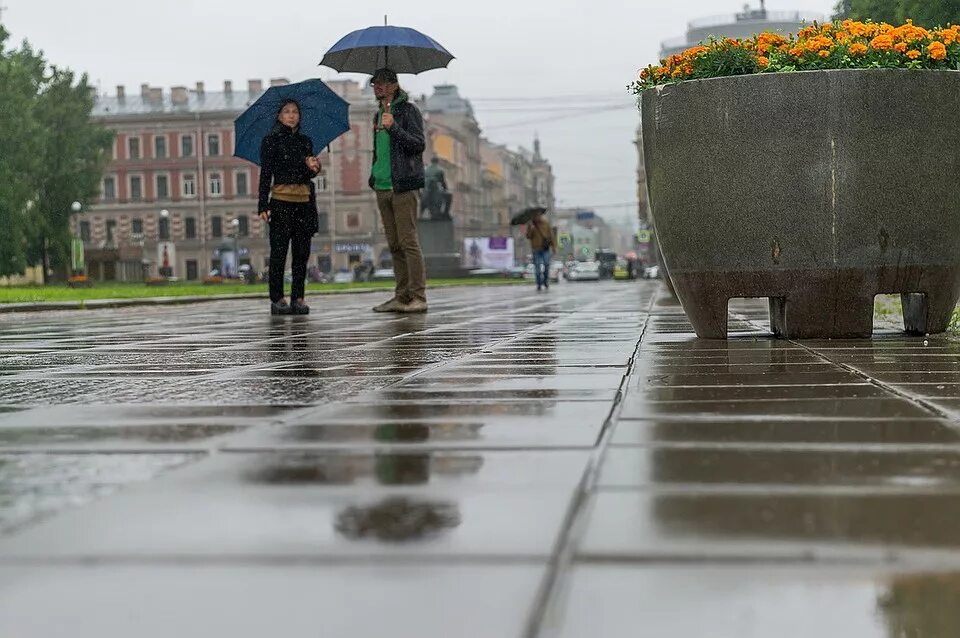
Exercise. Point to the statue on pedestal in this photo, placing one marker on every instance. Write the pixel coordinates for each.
(437, 197)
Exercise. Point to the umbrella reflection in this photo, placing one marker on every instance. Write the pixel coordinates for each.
(398, 519)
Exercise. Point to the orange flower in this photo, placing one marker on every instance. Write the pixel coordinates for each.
(900, 47)
(858, 49)
(824, 54)
(950, 35)
(937, 51)
(882, 42)
(763, 61)
(796, 52)
(913, 54)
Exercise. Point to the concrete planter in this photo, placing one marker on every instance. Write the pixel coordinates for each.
(818, 190)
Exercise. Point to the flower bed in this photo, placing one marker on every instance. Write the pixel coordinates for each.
(157, 281)
(212, 281)
(79, 281)
(833, 45)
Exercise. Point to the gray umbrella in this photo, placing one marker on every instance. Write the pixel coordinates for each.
(400, 49)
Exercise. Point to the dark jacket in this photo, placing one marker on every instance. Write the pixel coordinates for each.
(406, 147)
(283, 155)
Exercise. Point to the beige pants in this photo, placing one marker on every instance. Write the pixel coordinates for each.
(399, 214)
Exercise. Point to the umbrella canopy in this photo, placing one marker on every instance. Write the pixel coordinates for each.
(527, 215)
(323, 117)
(400, 49)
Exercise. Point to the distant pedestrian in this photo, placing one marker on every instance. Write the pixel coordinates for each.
(288, 203)
(543, 247)
(397, 175)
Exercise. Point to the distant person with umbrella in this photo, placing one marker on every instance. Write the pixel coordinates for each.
(282, 132)
(542, 245)
(396, 176)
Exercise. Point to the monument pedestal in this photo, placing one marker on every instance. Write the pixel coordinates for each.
(440, 250)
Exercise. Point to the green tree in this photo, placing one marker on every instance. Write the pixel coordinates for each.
(21, 72)
(927, 13)
(932, 13)
(73, 157)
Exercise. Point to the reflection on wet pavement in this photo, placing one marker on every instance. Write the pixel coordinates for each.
(564, 465)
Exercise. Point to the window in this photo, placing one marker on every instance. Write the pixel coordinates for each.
(353, 220)
(111, 230)
(133, 148)
(186, 146)
(160, 146)
(190, 228)
(216, 185)
(323, 220)
(109, 188)
(163, 228)
(189, 185)
(321, 182)
(136, 188)
(85, 232)
(193, 270)
(216, 226)
(244, 228)
(136, 226)
(163, 187)
(213, 144)
(243, 185)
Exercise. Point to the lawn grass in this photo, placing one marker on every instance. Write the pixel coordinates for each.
(113, 290)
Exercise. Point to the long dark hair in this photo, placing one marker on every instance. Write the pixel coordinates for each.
(278, 126)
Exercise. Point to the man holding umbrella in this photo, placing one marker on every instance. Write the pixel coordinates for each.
(397, 175)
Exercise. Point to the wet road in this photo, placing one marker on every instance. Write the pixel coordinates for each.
(511, 464)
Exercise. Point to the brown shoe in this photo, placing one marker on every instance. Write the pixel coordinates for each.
(414, 306)
(394, 305)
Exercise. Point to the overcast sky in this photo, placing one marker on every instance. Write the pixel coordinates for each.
(518, 61)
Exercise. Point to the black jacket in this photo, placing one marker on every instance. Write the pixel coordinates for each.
(283, 155)
(406, 147)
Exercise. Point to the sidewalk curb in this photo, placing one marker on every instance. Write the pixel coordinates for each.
(107, 304)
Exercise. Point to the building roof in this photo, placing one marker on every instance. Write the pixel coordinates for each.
(208, 102)
(446, 99)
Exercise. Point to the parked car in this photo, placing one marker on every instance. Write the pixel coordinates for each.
(343, 277)
(651, 272)
(383, 273)
(555, 269)
(584, 271)
(516, 272)
(606, 263)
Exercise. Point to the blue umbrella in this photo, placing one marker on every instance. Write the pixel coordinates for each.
(399, 49)
(323, 117)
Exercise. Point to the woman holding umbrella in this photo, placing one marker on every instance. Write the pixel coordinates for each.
(288, 203)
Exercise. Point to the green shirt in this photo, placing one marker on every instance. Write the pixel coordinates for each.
(382, 173)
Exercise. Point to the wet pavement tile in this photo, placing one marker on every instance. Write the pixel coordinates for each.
(114, 437)
(758, 392)
(875, 408)
(403, 395)
(710, 601)
(892, 468)
(33, 486)
(765, 523)
(250, 601)
(332, 506)
(774, 377)
(496, 382)
(790, 433)
(517, 412)
(138, 414)
(480, 434)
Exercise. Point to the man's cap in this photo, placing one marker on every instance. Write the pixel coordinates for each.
(383, 75)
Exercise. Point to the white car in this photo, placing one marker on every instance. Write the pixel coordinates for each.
(555, 269)
(584, 271)
(651, 272)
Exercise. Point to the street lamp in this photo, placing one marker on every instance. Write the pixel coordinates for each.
(236, 245)
(77, 260)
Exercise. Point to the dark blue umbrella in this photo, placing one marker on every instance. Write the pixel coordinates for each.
(323, 117)
(399, 49)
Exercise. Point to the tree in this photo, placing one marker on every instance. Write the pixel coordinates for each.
(52, 156)
(73, 157)
(932, 13)
(21, 72)
(927, 13)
